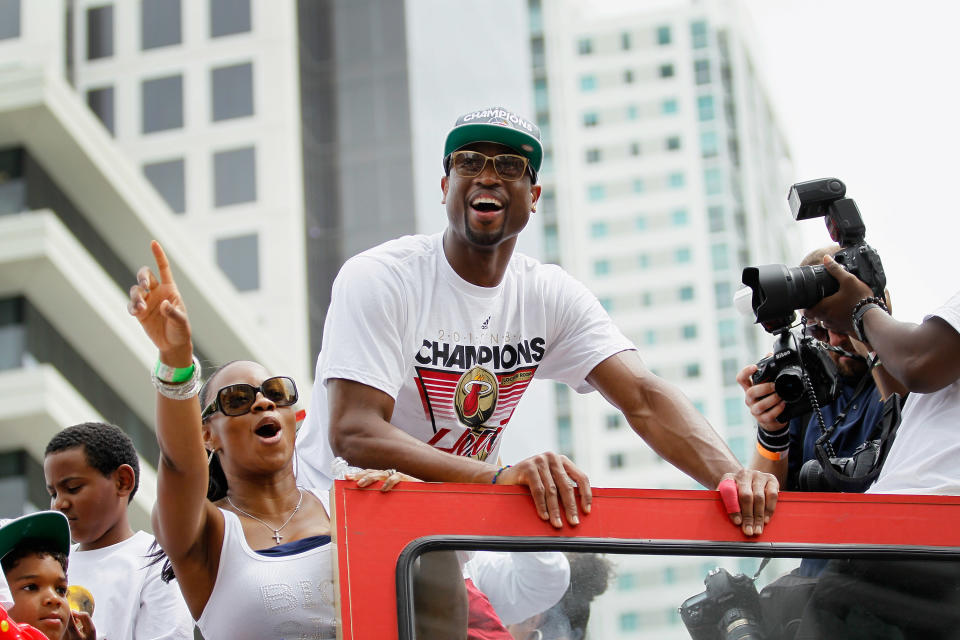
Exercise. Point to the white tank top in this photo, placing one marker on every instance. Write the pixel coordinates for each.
(256, 596)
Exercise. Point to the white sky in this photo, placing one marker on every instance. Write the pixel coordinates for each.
(866, 91)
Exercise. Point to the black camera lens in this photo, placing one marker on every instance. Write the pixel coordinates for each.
(779, 290)
(789, 384)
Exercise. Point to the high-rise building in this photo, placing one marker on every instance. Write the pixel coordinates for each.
(264, 142)
(666, 174)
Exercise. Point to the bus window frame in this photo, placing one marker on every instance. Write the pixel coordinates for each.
(419, 517)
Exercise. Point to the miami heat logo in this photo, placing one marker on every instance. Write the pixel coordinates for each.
(475, 399)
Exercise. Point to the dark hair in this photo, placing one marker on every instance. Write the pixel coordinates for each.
(216, 482)
(589, 576)
(33, 547)
(105, 447)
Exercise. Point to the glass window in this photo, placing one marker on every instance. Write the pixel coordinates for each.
(713, 181)
(705, 108)
(159, 23)
(585, 46)
(228, 17)
(708, 144)
(162, 103)
(9, 19)
(689, 331)
(234, 176)
(239, 258)
(715, 216)
(673, 143)
(685, 293)
(606, 303)
(733, 409)
(551, 241)
(564, 434)
(626, 581)
(601, 267)
(540, 97)
(168, 178)
(663, 35)
(669, 105)
(643, 261)
(723, 292)
(682, 255)
(650, 336)
(625, 41)
(676, 180)
(588, 82)
(100, 32)
(593, 155)
(590, 119)
(701, 71)
(692, 370)
(598, 229)
(634, 148)
(231, 91)
(616, 460)
(596, 192)
(720, 256)
(698, 33)
(729, 367)
(638, 185)
(666, 71)
(727, 332)
(640, 223)
(628, 76)
(632, 112)
(679, 218)
(100, 102)
(629, 621)
(613, 420)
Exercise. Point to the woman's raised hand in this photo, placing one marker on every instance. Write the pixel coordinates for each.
(158, 306)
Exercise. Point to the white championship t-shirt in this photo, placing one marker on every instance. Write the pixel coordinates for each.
(926, 450)
(455, 357)
(131, 602)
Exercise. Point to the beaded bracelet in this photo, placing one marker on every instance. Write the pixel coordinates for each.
(499, 471)
(859, 311)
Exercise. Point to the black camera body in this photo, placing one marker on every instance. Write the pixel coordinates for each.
(855, 467)
(778, 290)
(793, 356)
(729, 608)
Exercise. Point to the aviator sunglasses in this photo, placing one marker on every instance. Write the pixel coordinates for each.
(237, 399)
(469, 164)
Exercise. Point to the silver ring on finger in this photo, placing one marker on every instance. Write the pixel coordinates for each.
(390, 472)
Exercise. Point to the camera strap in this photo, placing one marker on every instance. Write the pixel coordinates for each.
(889, 423)
(826, 432)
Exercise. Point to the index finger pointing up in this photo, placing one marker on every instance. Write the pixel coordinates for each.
(163, 265)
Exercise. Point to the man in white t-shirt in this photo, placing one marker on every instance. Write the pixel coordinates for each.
(430, 342)
(917, 599)
(925, 358)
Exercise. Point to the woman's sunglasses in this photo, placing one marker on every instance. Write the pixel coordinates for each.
(237, 399)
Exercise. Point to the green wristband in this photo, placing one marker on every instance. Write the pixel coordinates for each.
(172, 375)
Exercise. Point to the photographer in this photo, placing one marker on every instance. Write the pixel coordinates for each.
(855, 412)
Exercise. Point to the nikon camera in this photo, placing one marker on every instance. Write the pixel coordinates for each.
(729, 609)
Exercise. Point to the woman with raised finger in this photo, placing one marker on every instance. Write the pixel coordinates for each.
(250, 548)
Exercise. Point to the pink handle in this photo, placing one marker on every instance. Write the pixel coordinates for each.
(728, 493)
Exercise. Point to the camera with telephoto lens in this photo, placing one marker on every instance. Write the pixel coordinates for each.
(796, 355)
(856, 469)
(779, 290)
(729, 609)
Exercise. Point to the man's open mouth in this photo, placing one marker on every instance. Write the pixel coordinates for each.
(486, 204)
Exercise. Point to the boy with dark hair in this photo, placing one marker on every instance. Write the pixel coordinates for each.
(33, 553)
(92, 472)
